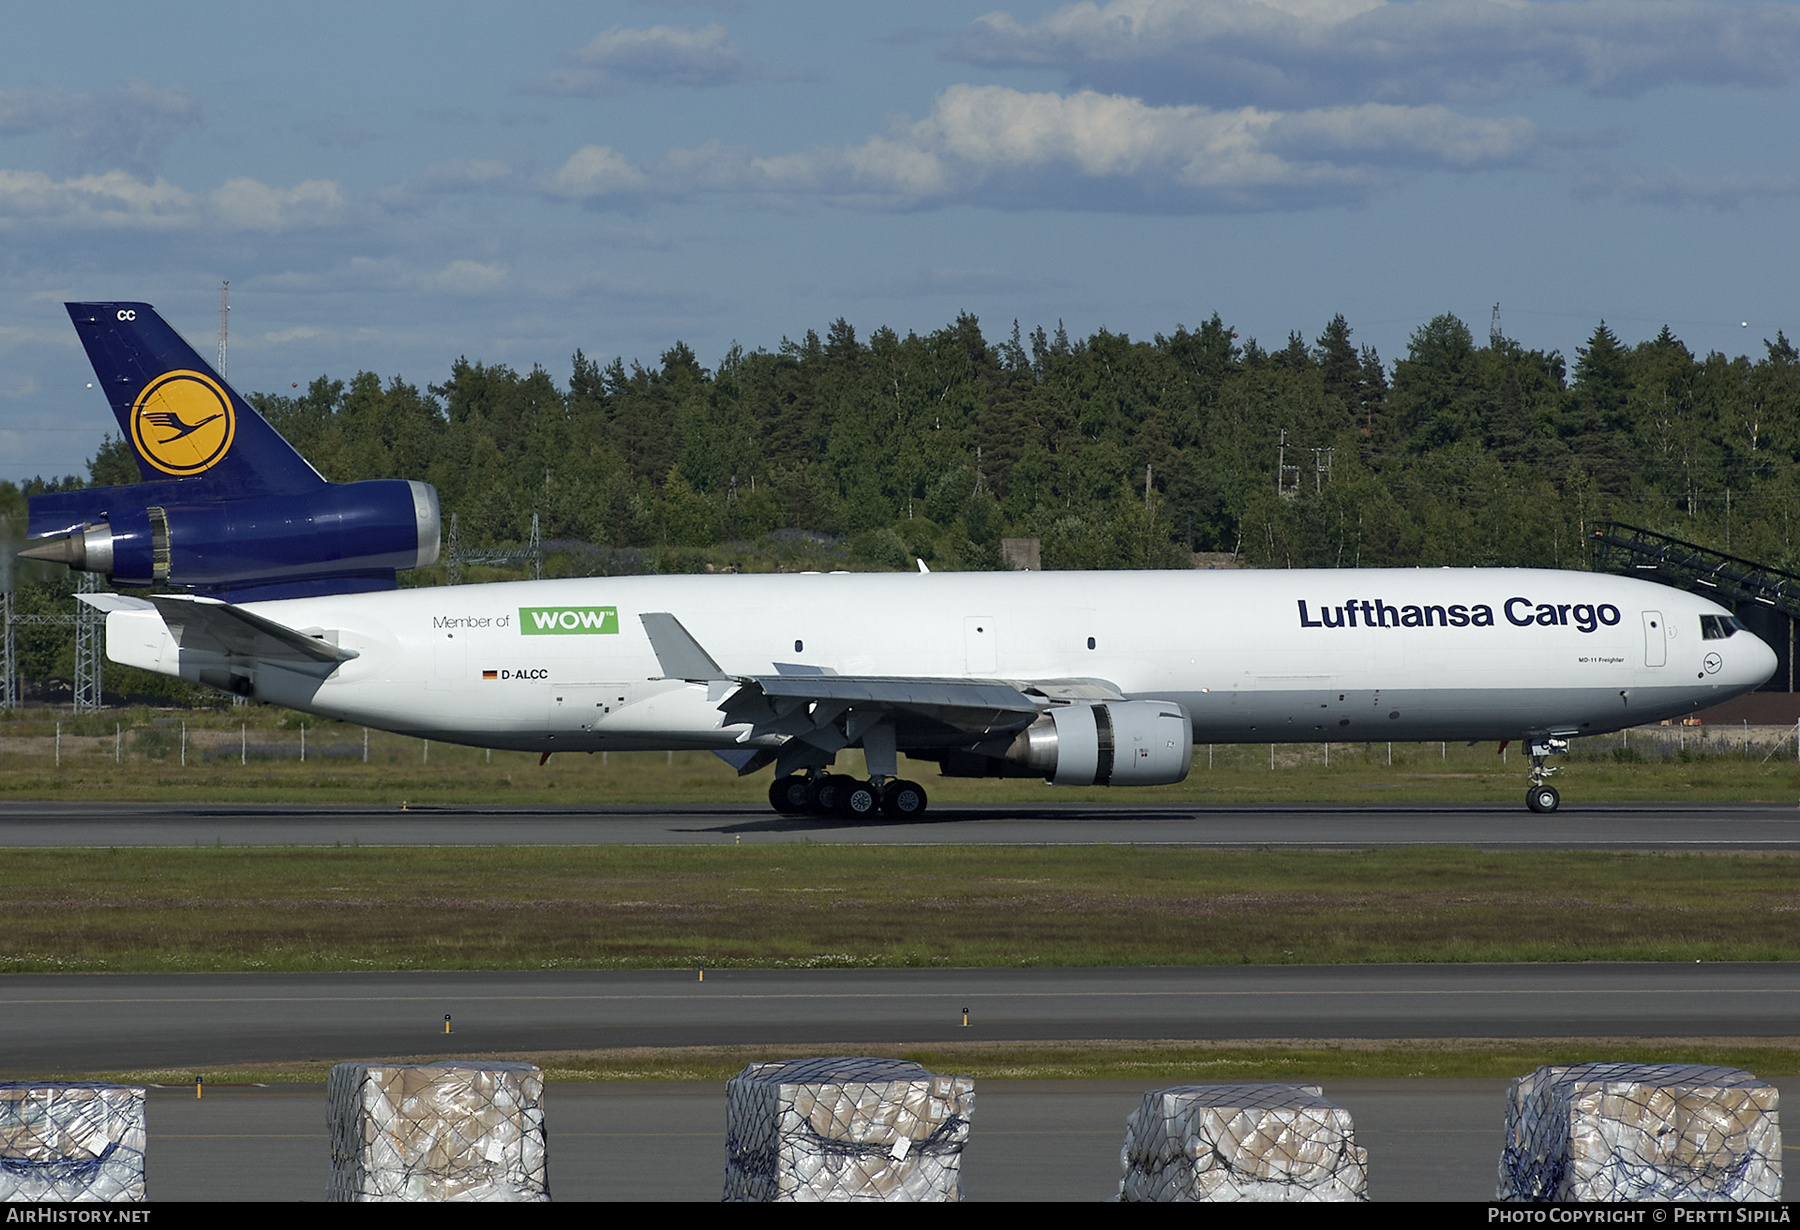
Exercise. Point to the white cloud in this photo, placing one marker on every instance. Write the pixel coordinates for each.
(993, 145)
(118, 200)
(301, 333)
(597, 170)
(1383, 133)
(249, 205)
(1287, 53)
(115, 199)
(660, 55)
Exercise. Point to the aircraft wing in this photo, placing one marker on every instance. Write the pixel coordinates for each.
(790, 704)
(828, 712)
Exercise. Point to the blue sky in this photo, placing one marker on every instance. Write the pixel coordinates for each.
(389, 187)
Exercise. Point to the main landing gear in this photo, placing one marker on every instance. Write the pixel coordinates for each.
(1541, 796)
(834, 794)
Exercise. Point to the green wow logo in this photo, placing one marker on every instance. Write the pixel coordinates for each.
(569, 620)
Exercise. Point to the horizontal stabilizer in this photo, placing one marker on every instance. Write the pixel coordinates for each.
(208, 625)
(109, 603)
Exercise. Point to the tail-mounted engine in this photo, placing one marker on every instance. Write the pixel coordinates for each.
(337, 534)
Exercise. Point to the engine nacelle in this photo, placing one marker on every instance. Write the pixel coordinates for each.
(1120, 743)
(337, 533)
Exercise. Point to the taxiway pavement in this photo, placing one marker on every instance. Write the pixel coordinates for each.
(89, 1023)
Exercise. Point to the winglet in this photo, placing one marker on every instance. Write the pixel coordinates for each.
(677, 652)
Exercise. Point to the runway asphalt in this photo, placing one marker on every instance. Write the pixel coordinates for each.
(1618, 826)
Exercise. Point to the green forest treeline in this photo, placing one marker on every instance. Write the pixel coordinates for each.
(937, 446)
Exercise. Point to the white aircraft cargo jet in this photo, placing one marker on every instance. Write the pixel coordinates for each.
(1080, 678)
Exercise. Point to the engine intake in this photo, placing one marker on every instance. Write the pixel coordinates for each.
(1121, 743)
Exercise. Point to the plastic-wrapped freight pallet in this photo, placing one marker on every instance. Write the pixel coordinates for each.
(845, 1129)
(1273, 1143)
(71, 1142)
(1624, 1131)
(437, 1131)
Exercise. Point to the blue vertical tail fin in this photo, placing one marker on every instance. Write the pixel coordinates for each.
(179, 418)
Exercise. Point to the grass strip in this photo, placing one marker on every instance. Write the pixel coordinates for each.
(1155, 1062)
(815, 906)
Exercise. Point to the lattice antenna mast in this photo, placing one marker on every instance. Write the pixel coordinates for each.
(1495, 337)
(224, 316)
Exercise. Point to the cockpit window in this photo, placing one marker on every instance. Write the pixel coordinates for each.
(1718, 627)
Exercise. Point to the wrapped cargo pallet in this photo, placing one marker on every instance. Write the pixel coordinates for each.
(845, 1129)
(65, 1142)
(1271, 1143)
(437, 1131)
(1623, 1131)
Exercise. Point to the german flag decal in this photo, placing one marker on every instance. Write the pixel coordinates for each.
(490, 674)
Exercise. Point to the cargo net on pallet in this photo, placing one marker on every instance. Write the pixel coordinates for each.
(1241, 1142)
(67, 1142)
(1624, 1131)
(845, 1129)
(437, 1131)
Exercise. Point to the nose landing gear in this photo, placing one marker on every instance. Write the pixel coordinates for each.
(1541, 796)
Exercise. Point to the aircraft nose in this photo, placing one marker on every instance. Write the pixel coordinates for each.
(1755, 663)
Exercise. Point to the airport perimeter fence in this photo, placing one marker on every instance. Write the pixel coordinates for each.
(208, 741)
(95, 739)
(279, 744)
(1635, 745)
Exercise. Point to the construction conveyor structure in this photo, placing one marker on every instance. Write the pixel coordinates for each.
(1766, 599)
(1630, 551)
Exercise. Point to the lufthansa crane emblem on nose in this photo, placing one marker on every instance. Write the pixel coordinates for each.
(1712, 663)
(182, 423)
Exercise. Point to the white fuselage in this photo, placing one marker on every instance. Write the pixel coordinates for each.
(1253, 656)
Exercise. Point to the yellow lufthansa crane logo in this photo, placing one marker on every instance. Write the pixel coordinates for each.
(182, 423)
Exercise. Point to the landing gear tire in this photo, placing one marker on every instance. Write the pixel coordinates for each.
(787, 795)
(1542, 799)
(860, 801)
(823, 793)
(903, 800)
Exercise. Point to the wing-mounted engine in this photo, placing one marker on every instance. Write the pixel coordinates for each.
(1117, 743)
